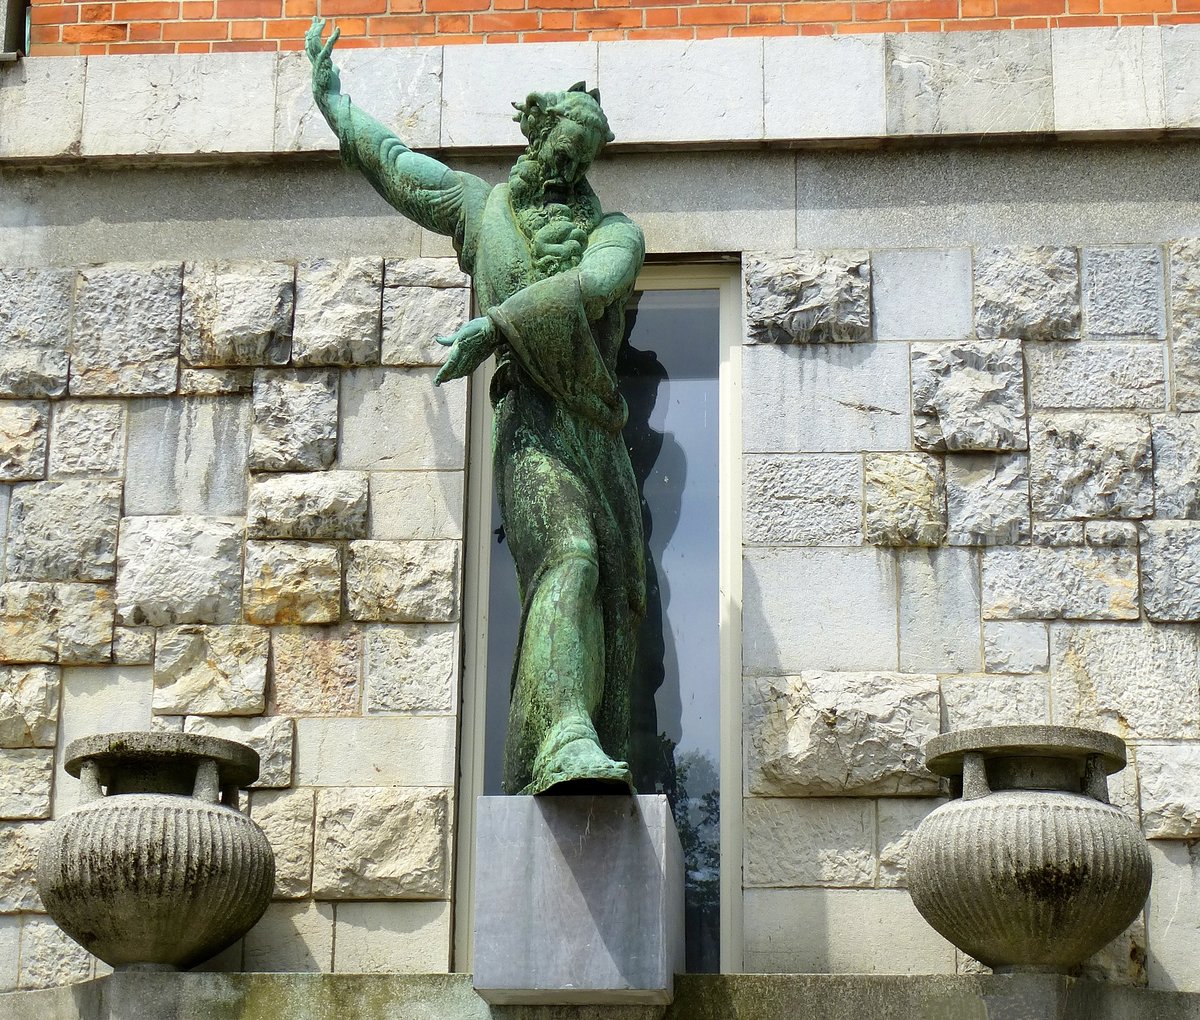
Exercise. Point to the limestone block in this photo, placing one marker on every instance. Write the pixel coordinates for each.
(1027, 293)
(174, 570)
(23, 428)
(969, 395)
(41, 107)
(273, 737)
(50, 957)
(986, 700)
(832, 734)
(416, 504)
(1176, 440)
(905, 499)
(1136, 680)
(188, 456)
(969, 83)
(807, 297)
(847, 618)
(802, 499)
(411, 667)
(88, 438)
(214, 382)
(382, 843)
(395, 419)
(1121, 534)
(237, 313)
(1108, 79)
(921, 294)
(1173, 916)
(1182, 86)
(26, 777)
(35, 325)
(319, 505)
(897, 820)
(10, 947)
(126, 330)
(428, 272)
(414, 318)
(1090, 465)
(1185, 322)
(19, 842)
(63, 531)
(1123, 293)
(1110, 375)
(1012, 646)
(211, 671)
(295, 420)
(1169, 798)
(825, 398)
(1057, 534)
(403, 582)
(401, 750)
(287, 819)
(292, 582)
(939, 611)
(987, 499)
(46, 622)
(28, 706)
(1123, 960)
(1040, 583)
(1170, 558)
(292, 938)
(385, 938)
(316, 670)
(337, 311)
(133, 646)
(841, 78)
(791, 842)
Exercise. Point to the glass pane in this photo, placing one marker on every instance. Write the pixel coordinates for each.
(668, 368)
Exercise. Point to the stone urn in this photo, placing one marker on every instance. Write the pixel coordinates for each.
(157, 868)
(1028, 868)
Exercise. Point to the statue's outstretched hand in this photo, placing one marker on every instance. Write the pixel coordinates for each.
(326, 83)
(470, 347)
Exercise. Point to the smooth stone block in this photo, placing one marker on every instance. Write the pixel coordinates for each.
(577, 900)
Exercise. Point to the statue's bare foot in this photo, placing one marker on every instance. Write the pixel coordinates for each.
(579, 767)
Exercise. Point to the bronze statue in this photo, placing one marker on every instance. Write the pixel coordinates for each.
(552, 276)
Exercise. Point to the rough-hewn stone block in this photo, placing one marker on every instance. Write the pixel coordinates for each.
(905, 499)
(24, 425)
(211, 671)
(803, 499)
(237, 313)
(807, 297)
(1119, 534)
(292, 582)
(35, 331)
(1108, 375)
(50, 957)
(295, 420)
(1185, 322)
(337, 312)
(1085, 465)
(1169, 797)
(48, 622)
(1040, 583)
(402, 582)
(897, 820)
(317, 505)
(414, 318)
(287, 816)
(26, 776)
(63, 531)
(273, 737)
(986, 700)
(1176, 440)
(28, 706)
(19, 843)
(411, 667)
(987, 499)
(969, 395)
(316, 670)
(1027, 293)
(1123, 293)
(424, 273)
(1170, 558)
(88, 439)
(810, 842)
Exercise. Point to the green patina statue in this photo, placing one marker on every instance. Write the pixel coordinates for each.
(552, 276)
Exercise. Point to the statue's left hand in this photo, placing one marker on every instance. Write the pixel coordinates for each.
(470, 347)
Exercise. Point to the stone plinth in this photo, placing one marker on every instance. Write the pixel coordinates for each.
(577, 900)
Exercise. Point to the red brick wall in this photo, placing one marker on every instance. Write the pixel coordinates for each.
(203, 26)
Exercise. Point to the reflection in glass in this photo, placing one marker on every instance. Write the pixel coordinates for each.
(668, 368)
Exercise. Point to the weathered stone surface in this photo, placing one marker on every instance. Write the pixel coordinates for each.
(126, 331)
(35, 331)
(416, 504)
(1120, 534)
(897, 820)
(10, 950)
(292, 582)
(1057, 534)
(273, 737)
(1085, 465)
(398, 750)
(807, 297)
(295, 421)
(396, 419)
(1123, 960)
(337, 312)
(424, 273)
(179, 570)
(88, 439)
(794, 842)
(803, 499)
(63, 531)
(28, 706)
(1170, 558)
(842, 77)
(50, 957)
(133, 646)
(1176, 440)
(1123, 293)
(922, 294)
(286, 816)
(291, 938)
(1135, 680)
(412, 937)
(23, 428)
(413, 319)
(411, 667)
(316, 670)
(1169, 797)
(320, 505)
(215, 382)
(1012, 646)
(188, 456)
(237, 313)
(1185, 322)
(45, 622)
(1173, 914)
(1109, 375)
(402, 582)
(381, 843)
(19, 842)
(833, 734)
(972, 701)
(1039, 583)
(26, 776)
(939, 611)
(1027, 293)
(1108, 79)
(211, 671)
(987, 499)
(905, 499)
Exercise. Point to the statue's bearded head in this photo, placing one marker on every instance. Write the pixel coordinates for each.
(566, 130)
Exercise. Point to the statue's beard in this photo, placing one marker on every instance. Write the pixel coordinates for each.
(555, 216)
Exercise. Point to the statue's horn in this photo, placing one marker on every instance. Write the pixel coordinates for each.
(595, 94)
(579, 86)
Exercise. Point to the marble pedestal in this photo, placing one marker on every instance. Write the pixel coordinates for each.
(577, 900)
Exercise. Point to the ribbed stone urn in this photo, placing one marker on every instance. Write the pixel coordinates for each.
(157, 868)
(1028, 868)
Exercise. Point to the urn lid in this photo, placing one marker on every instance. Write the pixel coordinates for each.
(237, 764)
(944, 754)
